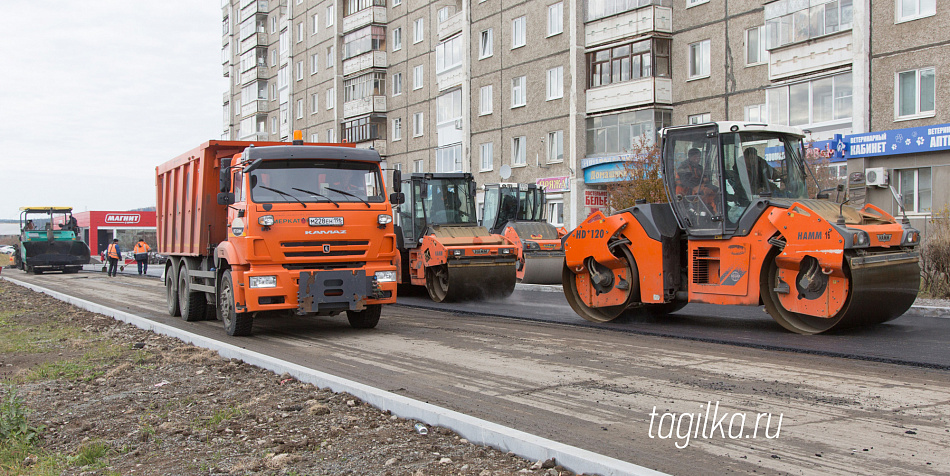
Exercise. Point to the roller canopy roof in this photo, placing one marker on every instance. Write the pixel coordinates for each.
(311, 152)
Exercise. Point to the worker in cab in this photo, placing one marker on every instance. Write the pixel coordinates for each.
(141, 250)
(692, 179)
(113, 253)
(29, 225)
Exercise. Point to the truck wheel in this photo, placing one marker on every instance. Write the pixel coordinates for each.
(235, 323)
(365, 319)
(191, 304)
(171, 295)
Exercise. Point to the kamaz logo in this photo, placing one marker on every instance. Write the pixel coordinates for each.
(123, 219)
(325, 232)
(813, 235)
(883, 237)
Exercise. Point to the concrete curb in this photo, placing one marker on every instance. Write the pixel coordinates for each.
(476, 430)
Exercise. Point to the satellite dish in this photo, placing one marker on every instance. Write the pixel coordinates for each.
(505, 172)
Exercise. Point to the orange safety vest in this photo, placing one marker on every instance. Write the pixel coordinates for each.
(141, 247)
(112, 251)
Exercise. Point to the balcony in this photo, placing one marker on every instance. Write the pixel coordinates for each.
(451, 26)
(364, 17)
(365, 105)
(255, 136)
(254, 74)
(254, 107)
(450, 78)
(373, 59)
(227, 69)
(259, 6)
(628, 94)
(253, 41)
(630, 24)
(227, 97)
(814, 55)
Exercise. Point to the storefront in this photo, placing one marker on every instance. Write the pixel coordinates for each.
(99, 228)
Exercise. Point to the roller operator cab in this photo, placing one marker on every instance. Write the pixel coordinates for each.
(443, 247)
(741, 229)
(516, 211)
(297, 229)
(50, 241)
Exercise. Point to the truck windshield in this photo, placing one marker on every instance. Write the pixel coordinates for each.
(309, 181)
(531, 207)
(449, 201)
(760, 164)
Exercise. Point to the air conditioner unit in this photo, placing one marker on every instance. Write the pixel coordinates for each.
(876, 176)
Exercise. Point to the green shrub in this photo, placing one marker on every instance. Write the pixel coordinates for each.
(14, 424)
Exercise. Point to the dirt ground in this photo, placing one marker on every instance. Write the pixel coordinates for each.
(110, 398)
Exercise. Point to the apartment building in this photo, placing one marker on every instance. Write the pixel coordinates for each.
(564, 92)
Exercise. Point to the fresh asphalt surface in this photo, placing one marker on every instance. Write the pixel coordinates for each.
(917, 338)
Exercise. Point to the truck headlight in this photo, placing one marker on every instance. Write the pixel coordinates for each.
(506, 251)
(531, 245)
(384, 219)
(265, 220)
(456, 252)
(860, 239)
(385, 276)
(263, 281)
(912, 238)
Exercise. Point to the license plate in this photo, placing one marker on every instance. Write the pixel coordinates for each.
(326, 221)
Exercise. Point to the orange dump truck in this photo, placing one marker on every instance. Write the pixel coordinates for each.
(271, 229)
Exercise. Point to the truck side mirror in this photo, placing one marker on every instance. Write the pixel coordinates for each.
(397, 180)
(397, 198)
(224, 180)
(225, 198)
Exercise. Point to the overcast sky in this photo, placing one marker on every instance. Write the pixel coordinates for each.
(94, 95)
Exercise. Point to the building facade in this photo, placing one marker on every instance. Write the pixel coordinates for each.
(563, 93)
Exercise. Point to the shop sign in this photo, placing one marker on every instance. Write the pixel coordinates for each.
(595, 198)
(555, 184)
(899, 141)
(122, 218)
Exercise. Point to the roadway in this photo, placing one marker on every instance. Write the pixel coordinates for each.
(595, 386)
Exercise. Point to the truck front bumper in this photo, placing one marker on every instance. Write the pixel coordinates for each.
(318, 291)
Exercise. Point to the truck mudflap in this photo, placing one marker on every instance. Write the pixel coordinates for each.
(340, 290)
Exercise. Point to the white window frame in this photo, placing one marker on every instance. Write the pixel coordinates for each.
(519, 156)
(418, 166)
(486, 46)
(397, 129)
(896, 177)
(693, 3)
(316, 25)
(924, 9)
(552, 206)
(487, 152)
(396, 3)
(780, 106)
(763, 53)
(555, 19)
(299, 32)
(418, 77)
(485, 100)
(755, 113)
(519, 33)
(555, 147)
(331, 135)
(518, 91)
(918, 113)
(300, 108)
(314, 103)
(701, 118)
(397, 84)
(418, 124)
(273, 125)
(331, 57)
(701, 48)
(397, 39)
(299, 71)
(315, 137)
(314, 63)
(331, 98)
(555, 83)
(418, 30)
(330, 14)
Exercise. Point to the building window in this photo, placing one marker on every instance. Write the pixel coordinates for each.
(299, 70)
(397, 39)
(915, 93)
(396, 3)
(913, 9)
(397, 84)
(449, 127)
(354, 6)
(363, 129)
(417, 124)
(300, 109)
(314, 63)
(445, 12)
(397, 129)
(756, 113)
(914, 185)
(364, 86)
(273, 24)
(555, 19)
(331, 135)
(555, 84)
(793, 21)
(518, 155)
(282, 42)
(487, 156)
(331, 98)
(699, 60)
(418, 166)
(315, 25)
(364, 40)
(299, 32)
(273, 125)
(417, 31)
(418, 77)
(556, 212)
(485, 100)
(314, 103)
(485, 44)
(330, 56)
(331, 13)
(597, 9)
(624, 133)
(693, 3)
(518, 91)
(518, 32)
(629, 62)
(315, 137)
(555, 146)
(699, 118)
(448, 54)
(811, 102)
(755, 52)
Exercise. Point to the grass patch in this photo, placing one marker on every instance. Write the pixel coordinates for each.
(89, 454)
(34, 339)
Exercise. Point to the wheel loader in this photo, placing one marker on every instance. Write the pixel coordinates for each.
(740, 229)
(441, 244)
(516, 211)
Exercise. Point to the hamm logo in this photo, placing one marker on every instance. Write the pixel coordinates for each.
(813, 235)
(121, 219)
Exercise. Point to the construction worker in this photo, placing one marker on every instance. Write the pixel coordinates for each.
(113, 253)
(141, 255)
